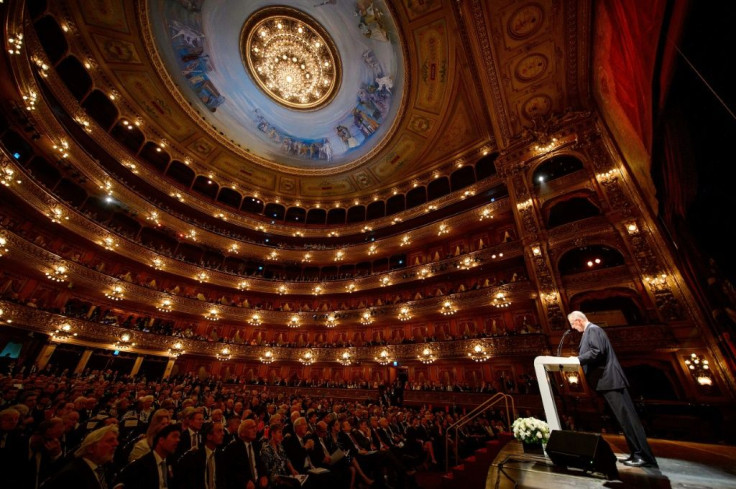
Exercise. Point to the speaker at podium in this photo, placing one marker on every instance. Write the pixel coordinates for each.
(586, 451)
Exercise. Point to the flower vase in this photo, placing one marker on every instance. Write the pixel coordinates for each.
(533, 448)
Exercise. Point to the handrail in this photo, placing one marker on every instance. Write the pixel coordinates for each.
(477, 411)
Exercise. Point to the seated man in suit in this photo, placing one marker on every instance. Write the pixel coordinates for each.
(301, 448)
(204, 467)
(153, 471)
(88, 469)
(245, 469)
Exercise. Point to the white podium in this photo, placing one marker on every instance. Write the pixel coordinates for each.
(542, 365)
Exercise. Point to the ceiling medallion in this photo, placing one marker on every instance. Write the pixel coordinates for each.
(291, 57)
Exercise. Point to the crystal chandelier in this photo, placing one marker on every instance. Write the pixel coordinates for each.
(426, 356)
(478, 353)
(267, 357)
(291, 57)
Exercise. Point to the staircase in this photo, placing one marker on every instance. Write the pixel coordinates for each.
(472, 472)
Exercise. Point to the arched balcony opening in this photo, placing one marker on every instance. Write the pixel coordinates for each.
(570, 209)
(587, 258)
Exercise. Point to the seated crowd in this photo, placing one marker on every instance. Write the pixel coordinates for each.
(99, 430)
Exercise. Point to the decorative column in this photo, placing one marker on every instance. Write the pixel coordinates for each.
(83, 361)
(169, 368)
(136, 366)
(43, 358)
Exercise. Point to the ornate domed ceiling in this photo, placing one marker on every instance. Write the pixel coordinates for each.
(302, 86)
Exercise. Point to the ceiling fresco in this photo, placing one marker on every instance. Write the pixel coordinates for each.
(199, 42)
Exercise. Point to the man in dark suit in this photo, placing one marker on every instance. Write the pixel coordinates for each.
(153, 471)
(190, 436)
(89, 467)
(605, 375)
(204, 467)
(245, 469)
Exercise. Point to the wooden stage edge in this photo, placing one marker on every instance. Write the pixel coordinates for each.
(682, 465)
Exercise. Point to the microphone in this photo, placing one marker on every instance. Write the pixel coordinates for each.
(562, 340)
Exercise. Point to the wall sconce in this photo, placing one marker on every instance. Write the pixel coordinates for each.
(57, 273)
(317, 290)
(192, 234)
(385, 281)
(426, 356)
(57, 215)
(466, 263)
(7, 175)
(478, 353)
(700, 369)
(486, 214)
(307, 358)
(176, 350)
(157, 263)
(405, 240)
(293, 321)
(224, 355)
(345, 358)
(384, 357)
(255, 320)
(63, 333)
(373, 249)
(282, 289)
(632, 228)
(423, 273)
(202, 277)
(165, 305)
(331, 320)
(404, 314)
(3, 245)
(572, 378)
(124, 342)
(109, 243)
(536, 251)
(234, 249)
(448, 309)
(350, 288)
(339, 255)
(267, 357)
(243, 285)
(116, 294)
(500, 301)
(273, 256)
(657, 282)
(212, 315)
(444, 229)
(366, 318)
(307, 257)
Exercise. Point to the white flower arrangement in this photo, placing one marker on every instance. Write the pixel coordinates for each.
(531, 431)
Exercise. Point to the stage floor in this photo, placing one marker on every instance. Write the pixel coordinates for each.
(682, 465)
